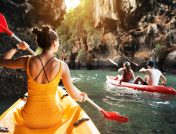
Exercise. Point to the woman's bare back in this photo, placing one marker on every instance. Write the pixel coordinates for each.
(48, 73)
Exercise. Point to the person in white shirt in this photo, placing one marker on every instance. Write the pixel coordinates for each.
(152, 77)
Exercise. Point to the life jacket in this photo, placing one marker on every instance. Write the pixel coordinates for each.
(127, 76)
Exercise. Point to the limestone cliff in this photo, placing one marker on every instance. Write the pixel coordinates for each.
(136, 29)
(122, 14)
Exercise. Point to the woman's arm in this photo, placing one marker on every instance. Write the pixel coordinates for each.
(121, 69)
(142, 70)
(9, 54)
(164, 80)
(18, 63)
(71, 89)
(132, 72)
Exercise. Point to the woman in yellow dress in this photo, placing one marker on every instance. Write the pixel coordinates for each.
(42, 114)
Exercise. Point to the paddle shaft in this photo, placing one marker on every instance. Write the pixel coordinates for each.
(93, 104)
(132, 61)
(19, 40)
(10, 33)
(129, 60)
(109, 115)
(113, 62)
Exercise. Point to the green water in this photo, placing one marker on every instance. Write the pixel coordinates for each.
(148, 113)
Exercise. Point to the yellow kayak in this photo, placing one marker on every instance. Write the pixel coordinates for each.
(81, 125)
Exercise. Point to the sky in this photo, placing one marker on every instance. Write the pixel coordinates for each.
(71, 4)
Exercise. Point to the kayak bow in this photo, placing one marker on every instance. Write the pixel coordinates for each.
(83, 125)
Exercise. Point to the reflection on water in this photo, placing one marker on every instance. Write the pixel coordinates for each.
(148, 113)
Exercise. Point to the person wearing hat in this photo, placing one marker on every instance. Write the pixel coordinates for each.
(128, 74)
(152, 77)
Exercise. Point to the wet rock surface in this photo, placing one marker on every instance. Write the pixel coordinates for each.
(13, 82)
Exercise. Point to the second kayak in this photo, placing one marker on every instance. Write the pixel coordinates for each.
(159, 89)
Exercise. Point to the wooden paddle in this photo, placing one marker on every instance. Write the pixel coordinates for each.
(109, 115)
(129, 60)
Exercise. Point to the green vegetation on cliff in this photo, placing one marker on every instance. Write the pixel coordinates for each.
(78, 26)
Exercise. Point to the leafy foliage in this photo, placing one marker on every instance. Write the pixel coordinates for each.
(77, 23)
(38, 50)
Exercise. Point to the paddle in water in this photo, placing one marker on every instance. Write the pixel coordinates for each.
(109, 115)
(4, 29)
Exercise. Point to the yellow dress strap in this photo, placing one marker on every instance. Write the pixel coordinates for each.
(56, 77)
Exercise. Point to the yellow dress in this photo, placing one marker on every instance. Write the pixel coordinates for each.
(42, 113)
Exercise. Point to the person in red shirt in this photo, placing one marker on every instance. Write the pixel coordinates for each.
(128, 74)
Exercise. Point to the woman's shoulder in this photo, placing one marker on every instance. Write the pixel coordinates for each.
(61, 62)
(31, 57)
(64, 67)
(131, 70)
(58, 60)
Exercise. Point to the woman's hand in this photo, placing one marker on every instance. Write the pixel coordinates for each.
(85, 97)
(23, 45)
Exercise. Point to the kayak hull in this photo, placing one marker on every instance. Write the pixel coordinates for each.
(86, 127)
(158, 89)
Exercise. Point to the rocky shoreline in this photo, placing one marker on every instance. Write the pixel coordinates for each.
(13, 83)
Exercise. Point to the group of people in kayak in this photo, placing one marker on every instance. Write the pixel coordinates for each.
(152, 75)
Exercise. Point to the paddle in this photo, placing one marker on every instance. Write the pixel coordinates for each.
(113, 62)
(4, 29)
(109, 115)
(130, 60)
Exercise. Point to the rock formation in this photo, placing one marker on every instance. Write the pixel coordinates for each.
(139, 27)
